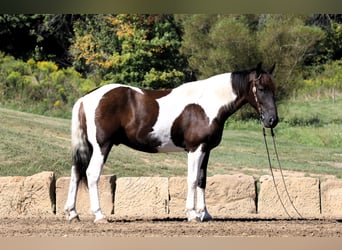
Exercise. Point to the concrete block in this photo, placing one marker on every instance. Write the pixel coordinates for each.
(106, 191)
(141, 197)
(178, 192)
(231, 195)
(331, 198)
(226, 195)
(32, 195)
(303, 191)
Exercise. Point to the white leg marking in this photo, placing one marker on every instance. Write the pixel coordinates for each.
(93, 176)
(194, 162)
(201, 207)
(200, 199)
(70, 205)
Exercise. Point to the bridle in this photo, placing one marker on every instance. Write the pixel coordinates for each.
(254, 90)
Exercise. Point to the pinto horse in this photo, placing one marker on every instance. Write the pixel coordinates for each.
(188, 118)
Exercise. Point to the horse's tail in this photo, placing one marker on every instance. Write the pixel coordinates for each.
(81, 147)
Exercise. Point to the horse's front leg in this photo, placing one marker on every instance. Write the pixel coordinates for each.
(195, 159)
(202, 182)
(93, 175)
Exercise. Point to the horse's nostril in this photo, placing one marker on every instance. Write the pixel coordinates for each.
(271, 120)
(262, 117)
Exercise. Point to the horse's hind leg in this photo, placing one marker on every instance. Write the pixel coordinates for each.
(93, 175)
(70, 206)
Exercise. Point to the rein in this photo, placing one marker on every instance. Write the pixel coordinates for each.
(254, 89)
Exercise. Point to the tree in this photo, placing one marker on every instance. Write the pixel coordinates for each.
(330, 48)
(140, 50)
(219, 43)
(196, 45)
(94, 42)
(17, 34)
(234, 45)
(287, 41)
(54, 36)
(42, 37)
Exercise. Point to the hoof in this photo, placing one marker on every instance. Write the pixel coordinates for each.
(74, 218)
(198, 216)
(101, 221)
(205, 216)
(192, 216)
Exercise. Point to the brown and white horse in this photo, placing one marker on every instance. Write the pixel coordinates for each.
(188, 118)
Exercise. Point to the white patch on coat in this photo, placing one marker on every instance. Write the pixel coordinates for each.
(90, 104)
(211, 94)
(77, 134)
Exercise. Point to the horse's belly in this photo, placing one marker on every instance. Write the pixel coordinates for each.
(169, 110)
(165, 142)
(169, 147)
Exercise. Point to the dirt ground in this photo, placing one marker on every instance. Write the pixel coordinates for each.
(57, 226)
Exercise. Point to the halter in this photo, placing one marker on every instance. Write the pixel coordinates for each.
(254, 90)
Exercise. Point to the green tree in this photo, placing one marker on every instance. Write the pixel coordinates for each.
(219, 43)
(140, 50)
(17, 34)
(287, 41)
(196, 44)
(54, 35)
(330, 48)
(38, 36)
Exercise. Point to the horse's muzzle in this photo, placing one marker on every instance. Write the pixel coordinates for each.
(269, 121)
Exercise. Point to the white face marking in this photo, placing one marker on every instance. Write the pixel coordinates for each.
(211, 94)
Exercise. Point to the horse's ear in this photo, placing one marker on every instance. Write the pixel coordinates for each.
(271, 69)
(258, 68)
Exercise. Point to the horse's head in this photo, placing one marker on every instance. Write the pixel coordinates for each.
(262, 97)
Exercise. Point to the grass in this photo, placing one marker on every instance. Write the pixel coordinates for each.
(32, 143)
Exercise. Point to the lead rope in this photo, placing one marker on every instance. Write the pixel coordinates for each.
(254, 90)
(281, 173)
(271, 170)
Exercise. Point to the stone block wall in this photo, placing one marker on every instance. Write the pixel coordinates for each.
(32, 195)
(233, 196)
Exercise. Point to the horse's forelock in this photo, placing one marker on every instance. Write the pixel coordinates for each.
(240, 81)
(266, 80)
(241, 78)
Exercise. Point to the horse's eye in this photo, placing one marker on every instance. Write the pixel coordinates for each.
(261, 89)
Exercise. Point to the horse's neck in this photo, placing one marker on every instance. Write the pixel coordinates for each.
(215, 95)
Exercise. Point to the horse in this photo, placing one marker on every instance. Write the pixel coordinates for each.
(188, 118)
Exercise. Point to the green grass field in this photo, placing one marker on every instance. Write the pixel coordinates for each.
(309, 140)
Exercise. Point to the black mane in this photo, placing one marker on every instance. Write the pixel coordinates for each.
(239, 80)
